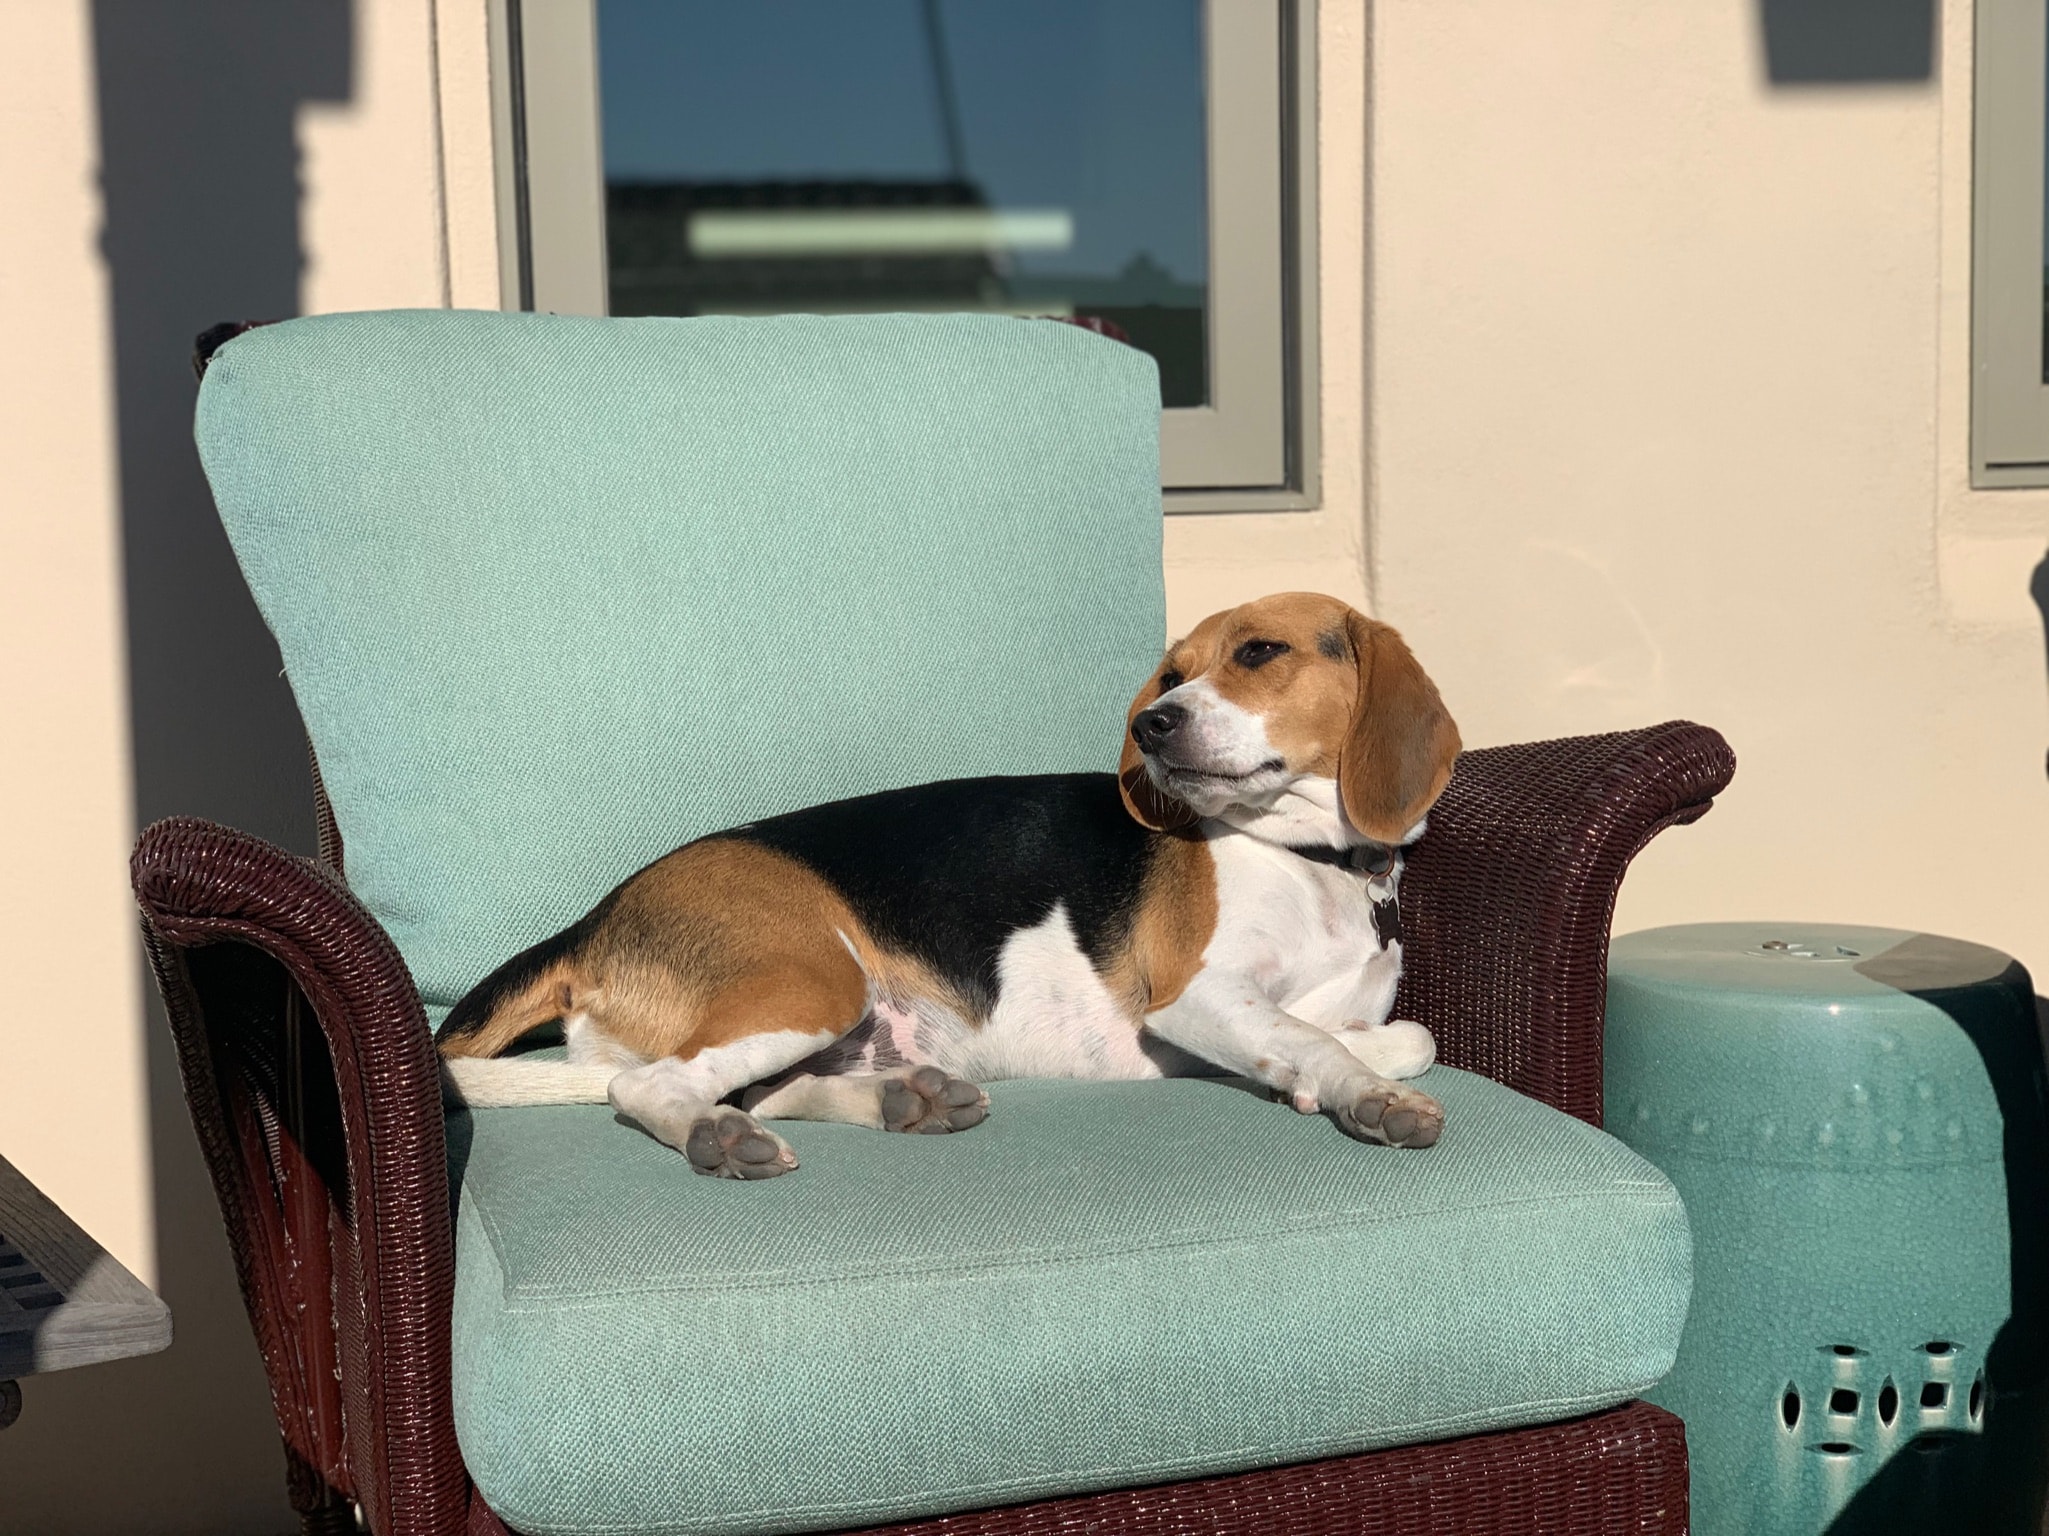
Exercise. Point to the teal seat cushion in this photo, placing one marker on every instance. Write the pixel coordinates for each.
(1106, 1284)
(558, 594)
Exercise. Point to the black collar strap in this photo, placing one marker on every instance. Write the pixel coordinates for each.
(1365, 859)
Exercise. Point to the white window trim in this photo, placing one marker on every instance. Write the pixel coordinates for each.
(1254, 448)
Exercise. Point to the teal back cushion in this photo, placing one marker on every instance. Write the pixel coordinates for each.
(558, 594)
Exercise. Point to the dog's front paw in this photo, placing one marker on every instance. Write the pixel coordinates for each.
(927, 1100)
(1390, 1114)
(732, 1144)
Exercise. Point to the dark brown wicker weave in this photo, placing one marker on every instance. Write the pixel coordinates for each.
(313, 1085)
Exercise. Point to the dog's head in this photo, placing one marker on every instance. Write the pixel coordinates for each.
(1265, 695)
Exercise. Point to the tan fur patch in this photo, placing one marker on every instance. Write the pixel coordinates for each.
(1304, 696)
(542, 1001)
(1175, 920)
(720, 940)
(1402, 742)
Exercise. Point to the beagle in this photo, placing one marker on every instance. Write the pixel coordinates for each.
(1226, 901)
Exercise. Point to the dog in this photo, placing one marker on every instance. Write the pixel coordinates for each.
(1227, 901)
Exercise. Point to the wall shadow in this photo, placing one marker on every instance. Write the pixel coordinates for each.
(197, 104)
(1848, 42)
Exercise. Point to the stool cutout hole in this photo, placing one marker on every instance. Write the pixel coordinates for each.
(1977, 1401)
(1842, 1400)
(1847, 1351)
(1939, 1347)
(1934, 1394)
(1789, 1406)
(1836, 1448)
(1888, 1402)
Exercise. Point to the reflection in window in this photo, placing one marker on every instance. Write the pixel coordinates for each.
(832, 156)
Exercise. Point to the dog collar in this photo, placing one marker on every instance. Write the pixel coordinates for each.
(1378, 863)
(1366, 858)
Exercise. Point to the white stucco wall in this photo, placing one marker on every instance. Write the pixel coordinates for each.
(1667, 417)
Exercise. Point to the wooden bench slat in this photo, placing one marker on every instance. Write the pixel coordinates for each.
(64, 1300)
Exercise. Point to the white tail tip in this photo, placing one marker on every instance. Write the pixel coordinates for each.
(496, 1082)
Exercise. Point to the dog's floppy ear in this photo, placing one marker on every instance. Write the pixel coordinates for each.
(1148, 804)
(1399, 747)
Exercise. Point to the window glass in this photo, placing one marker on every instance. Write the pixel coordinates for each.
(831, 156)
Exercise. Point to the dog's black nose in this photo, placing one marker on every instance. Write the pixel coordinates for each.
(1151, 728)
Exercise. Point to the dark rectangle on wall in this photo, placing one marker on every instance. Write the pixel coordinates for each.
(1847, 42)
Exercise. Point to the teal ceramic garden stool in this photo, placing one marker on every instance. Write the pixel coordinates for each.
(1855, 1120)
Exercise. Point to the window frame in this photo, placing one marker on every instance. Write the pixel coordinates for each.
(2009, 397)
(1253, 448)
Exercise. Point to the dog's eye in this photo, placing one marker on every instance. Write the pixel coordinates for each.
(1170, 679)
(1257, 653)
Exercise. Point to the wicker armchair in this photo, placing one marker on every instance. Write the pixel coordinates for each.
(312, 1081)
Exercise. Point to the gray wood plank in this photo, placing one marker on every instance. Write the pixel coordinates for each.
(64, 1300)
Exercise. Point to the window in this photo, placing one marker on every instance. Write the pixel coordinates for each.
(1141, 161)
(2009, 283)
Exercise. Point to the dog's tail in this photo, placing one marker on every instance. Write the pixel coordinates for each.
(537, 986)
(482, 1082)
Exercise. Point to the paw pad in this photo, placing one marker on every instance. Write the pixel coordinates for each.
(731, 1144)
(1392, 1115)
(928, 1101)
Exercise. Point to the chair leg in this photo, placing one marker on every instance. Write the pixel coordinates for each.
(322, 1511)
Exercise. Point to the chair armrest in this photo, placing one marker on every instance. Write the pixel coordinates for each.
(314, 1088)
(1508, 898)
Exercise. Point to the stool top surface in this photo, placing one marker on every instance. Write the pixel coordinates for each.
(1797, 959)
(1818, 1046)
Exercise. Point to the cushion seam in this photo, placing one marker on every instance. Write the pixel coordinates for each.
(1046, 1259)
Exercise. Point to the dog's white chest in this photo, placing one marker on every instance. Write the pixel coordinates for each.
(1304, 931)
(1053, 1017)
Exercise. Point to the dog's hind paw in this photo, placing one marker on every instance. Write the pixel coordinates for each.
(928, 1100)
(731, 1144)
(1390, 1114)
